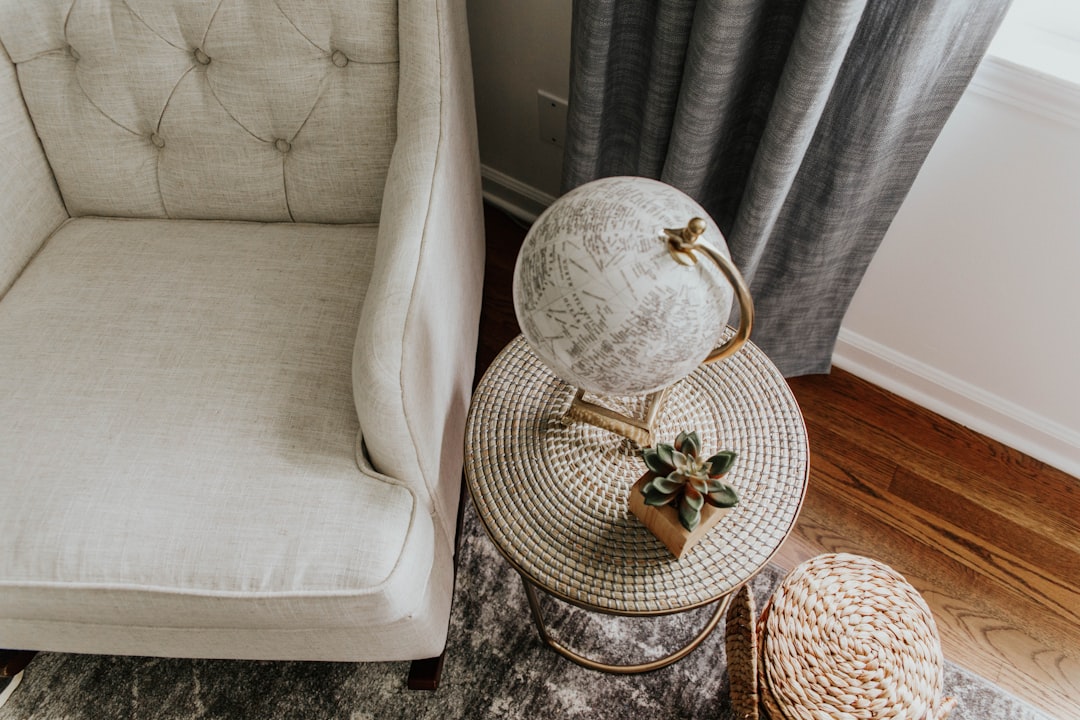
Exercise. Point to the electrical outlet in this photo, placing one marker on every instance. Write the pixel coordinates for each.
(551, 116)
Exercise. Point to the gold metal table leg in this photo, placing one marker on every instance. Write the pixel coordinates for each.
(538, 619)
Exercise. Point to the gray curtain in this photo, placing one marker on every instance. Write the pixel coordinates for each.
(799, 125)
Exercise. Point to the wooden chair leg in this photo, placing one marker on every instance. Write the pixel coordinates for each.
(425, 674)
(12, 662)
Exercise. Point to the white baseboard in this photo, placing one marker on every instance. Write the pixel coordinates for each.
(971, 406)
(1028, 89)
(520, 200)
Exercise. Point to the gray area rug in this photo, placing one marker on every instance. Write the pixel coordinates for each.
(496, 667)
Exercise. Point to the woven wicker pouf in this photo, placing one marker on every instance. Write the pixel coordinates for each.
(848, 637)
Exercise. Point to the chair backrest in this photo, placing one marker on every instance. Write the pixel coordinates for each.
(267, 110)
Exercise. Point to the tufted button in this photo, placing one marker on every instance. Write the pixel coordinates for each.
(282, 145)
(339, 59)
(157, 140)
(201, 57)
(73, 53)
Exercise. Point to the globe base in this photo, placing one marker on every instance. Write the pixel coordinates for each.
(636, 429)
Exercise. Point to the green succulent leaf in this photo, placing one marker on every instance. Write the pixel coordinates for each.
(720, 463)
(656, 497)
(715, 485)
(688, 443)
(689, 516)
(693, 498)
(681, 461)
(653, 461)
(725, 497)
(666, 454)
(672, 483)
(700, 484)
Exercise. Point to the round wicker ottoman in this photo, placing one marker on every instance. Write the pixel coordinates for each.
(843, 637)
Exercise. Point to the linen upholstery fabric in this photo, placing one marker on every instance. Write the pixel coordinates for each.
(168, 371)
(217, 110)
(269, 543)
(30, 205)
(413, 365)
(799, 125)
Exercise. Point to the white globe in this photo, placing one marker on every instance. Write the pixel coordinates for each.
(601, 300)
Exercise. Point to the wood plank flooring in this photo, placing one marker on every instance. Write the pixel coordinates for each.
(991, 537)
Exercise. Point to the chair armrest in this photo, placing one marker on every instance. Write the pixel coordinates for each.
(416, 344)
(30, 204)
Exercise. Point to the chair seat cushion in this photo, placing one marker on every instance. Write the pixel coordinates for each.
(178, 434)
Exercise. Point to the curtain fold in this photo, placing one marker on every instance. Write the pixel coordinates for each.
(799, 125)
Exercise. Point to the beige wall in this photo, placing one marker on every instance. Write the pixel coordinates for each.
(519, 47)
(972, 305)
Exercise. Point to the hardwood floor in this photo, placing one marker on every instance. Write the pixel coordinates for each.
(990, 536)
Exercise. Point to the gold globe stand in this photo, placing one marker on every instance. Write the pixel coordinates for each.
(683, 243)
(637, 429)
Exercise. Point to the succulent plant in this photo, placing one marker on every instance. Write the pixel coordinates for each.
(684, 479)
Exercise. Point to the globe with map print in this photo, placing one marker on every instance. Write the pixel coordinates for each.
(604, 301)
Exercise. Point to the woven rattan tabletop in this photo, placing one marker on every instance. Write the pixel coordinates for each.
(553, 494)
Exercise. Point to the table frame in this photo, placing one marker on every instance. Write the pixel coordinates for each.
(503, 405)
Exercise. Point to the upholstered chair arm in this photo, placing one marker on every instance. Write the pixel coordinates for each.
(416, 344)
(30, 204)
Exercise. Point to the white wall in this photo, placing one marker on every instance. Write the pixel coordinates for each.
(972, 305)
(518, 48)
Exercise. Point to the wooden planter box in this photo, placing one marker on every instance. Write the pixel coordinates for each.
(663, 521)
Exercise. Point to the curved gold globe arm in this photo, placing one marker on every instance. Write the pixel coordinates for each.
(682, 243)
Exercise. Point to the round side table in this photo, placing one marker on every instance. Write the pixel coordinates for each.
(552, 494)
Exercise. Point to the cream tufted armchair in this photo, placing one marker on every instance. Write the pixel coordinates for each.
(241, 256)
